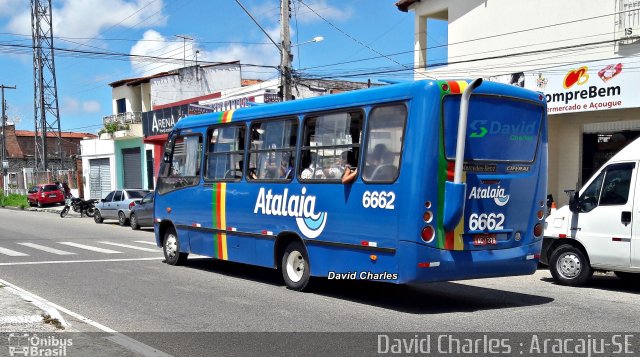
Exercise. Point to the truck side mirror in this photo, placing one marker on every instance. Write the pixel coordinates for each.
(574, 203)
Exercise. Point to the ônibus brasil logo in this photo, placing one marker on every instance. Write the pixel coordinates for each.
(302, 207)
(497, 193)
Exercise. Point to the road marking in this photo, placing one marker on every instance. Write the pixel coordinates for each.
(88, 247)
(123, 340)
(80, 261)
(12, 253)
(146, 242)
(46, 249)
(132, 247)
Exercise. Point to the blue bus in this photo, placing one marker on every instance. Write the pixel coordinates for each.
(447, 181)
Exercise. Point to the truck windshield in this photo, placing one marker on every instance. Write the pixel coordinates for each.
(497, 130)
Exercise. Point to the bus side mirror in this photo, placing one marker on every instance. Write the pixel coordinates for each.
(574, 203)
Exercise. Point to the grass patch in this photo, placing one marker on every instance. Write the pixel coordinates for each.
(47, 319)
(13, 200)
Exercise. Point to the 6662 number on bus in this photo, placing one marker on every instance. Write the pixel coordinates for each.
(375, 199)
(491, 221)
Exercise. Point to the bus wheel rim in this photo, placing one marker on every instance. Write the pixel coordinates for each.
(569, 265)
(171, 246)
(296, 266)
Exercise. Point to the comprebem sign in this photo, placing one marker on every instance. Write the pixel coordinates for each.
(589, 86)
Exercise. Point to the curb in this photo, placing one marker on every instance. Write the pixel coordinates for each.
(35, 300)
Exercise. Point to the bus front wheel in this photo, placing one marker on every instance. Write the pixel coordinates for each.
(171, 248)
(295, 266)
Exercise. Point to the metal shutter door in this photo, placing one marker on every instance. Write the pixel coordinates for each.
(132, 166)
(99, 178)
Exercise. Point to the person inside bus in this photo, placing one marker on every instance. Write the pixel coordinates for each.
(379, 166)
(314, 171)
(343, 170)
(286, 166)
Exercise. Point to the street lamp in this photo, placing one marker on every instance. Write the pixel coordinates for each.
(315, 39)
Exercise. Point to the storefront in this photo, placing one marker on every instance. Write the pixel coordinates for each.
(594, 111)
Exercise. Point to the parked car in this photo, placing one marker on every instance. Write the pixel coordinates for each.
(45, 194)
(142, 212)
(117, 205)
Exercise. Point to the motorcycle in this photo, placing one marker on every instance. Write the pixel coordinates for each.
(79, 205)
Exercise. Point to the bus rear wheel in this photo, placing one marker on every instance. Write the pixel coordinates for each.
(295, 266)
(171, 248)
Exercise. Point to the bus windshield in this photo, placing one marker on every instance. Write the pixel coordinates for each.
(499, 129)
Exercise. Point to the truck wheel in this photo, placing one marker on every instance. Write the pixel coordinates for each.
(569, 266)
(631, 277)
(295, 266)
(171, 248)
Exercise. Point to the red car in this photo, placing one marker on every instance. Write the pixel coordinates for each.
(45, 194)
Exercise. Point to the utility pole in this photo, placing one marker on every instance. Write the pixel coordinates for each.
(4, 124)
(184, 48)
(285, 51)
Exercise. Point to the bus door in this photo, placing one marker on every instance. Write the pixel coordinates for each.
(178, 183)
(501, 170)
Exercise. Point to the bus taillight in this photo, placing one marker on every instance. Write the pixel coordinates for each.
(428, 233)
(427, 216)
(537, 230)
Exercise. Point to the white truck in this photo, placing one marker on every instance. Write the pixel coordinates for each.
(597, 230)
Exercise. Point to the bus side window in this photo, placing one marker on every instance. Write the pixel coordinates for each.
(225, 150)
(331, 143)
(384, 143)
(182, 168)
(273, 149)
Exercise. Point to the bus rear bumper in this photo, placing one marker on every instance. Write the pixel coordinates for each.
(446, 265)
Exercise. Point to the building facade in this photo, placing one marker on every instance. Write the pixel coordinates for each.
(20, 150)
(581, 54)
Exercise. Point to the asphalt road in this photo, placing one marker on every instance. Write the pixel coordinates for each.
(134, 291)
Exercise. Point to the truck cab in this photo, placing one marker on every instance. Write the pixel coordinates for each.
(599, 229)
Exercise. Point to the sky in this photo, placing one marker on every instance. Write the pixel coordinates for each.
(361, 39)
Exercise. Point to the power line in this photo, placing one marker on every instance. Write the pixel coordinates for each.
(141, 58)
(353, 38)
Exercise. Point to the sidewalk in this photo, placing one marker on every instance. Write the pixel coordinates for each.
(22, 313)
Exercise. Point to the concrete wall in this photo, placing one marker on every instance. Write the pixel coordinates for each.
(193, 82)
(477, 30)
(132, 96)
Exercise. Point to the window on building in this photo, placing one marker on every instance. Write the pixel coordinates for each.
(121, 106)
(273, 149)
(225, 152)
(331, 141)
(384, 143)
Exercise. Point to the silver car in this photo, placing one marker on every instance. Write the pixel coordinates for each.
(117, 205)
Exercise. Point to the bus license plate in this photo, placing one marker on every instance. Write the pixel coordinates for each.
(484, 239)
